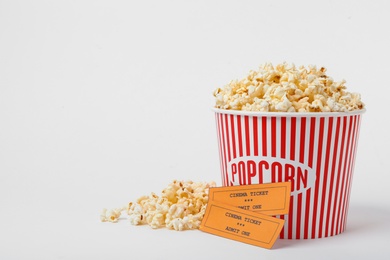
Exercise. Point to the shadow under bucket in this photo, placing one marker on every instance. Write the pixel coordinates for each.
(314, 151)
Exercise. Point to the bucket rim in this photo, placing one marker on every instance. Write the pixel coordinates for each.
(288, 114)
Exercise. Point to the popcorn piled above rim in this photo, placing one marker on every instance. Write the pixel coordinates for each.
(285, 88)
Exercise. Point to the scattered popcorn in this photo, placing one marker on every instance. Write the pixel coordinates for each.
(285, 88)
(111, 215)
(180, 206)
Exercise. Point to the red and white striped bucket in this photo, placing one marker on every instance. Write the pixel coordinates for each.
(314, 151)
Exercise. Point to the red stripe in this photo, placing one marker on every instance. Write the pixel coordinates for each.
(293, 132)
(292, 157)
(283, 138)
(311, 146)
(302, 139)
(339, 215)
(227, 136)
(283, 155)
(336, 144)
(233, 136)
(264, 137)
(290, 218)
(324, 182)
(301, 160)
(274, 178)
(239, 135)
(247, 138)
(273, 136)
(318, 169)
(307, 217)
(299, 216)
(348, 185)
(255, 136)
(338, 176)
(310, 163)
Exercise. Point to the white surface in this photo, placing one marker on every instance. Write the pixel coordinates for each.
(104, 101)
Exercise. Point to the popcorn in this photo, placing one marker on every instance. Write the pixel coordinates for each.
(180, 206)
(111, 215)
(138, 214)
(285, 88)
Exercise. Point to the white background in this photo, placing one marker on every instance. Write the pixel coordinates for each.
(104, 101)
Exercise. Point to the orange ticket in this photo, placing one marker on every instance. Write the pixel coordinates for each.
(269, 198)
(241, 225)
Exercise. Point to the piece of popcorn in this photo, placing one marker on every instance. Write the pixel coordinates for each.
(284, 105)
(280, 88)
(136, 213)
(111, 215)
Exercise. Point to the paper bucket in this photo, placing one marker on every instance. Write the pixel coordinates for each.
(314, 151)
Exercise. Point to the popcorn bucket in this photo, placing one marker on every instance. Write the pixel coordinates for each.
(314, 151)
